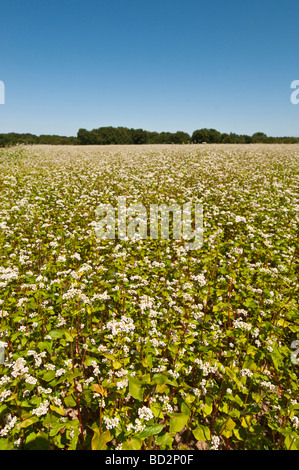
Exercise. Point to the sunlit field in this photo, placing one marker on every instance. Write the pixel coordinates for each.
(140, 343)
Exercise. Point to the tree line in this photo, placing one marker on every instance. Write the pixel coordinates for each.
(125, 136)
(13, 138)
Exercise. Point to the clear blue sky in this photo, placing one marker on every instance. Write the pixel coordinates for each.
(158, 65)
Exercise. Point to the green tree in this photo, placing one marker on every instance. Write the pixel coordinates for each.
(210, 136)
(83, 137)
(259, 137)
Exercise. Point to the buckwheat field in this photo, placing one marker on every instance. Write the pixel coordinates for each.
(133, 343)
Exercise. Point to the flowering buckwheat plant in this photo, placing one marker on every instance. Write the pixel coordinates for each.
(140, 343)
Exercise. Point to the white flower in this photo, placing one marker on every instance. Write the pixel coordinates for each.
(125, 325)
(42, 409)
(30, 380)
(295, 421)
(59, 372)
(242, 325)
(240, 219)
(215, 443)
(145, 413)
(246, 373)
(19, 367)
(111, 423)
(268, 385)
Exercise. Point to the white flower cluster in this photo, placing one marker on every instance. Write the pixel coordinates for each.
(206, 367)
(8, 274)
(125, 325)
(104, 296)
(46, 391)
(4, 380)
(42, 409)
(4, 395)
(215, 443)
(242, 325)
(246, 373)
(96, 369)
(268, 385)
(37, 357)
(146, 303)
(19, 367)
(111, 422)
(30, 380)
(59, 372)
(137, 427)
(11, 421)
(122, 383)
(3, 344)
(295, 421)
(240, 219)
(145, 413)
(160, 368)
(200, 278)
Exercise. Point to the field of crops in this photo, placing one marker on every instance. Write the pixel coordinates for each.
(140, 343)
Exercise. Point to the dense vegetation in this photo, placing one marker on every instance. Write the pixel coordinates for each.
(138, 343)
(125, 136)
(13, 138)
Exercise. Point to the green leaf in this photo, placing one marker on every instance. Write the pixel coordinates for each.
(68, 336)
(240, 433)
(132, 444)
(156, 408)
(185, 409)
(151, 430)
(28, 422)
(98, 440)
(177, 421)
(235, 413)
(56, 427)
(5, 444)
(49, 375)
(37, 441)
(57, 409)
(55, 334)
(148, 361)
(208, 407)
(228, 427)
(74, 439)
(165, 441)
(189, 398)
(69, 401)
(202, 433)
(45, 345)
(233, 376)
(161, 379)
(291, 442)
(135, 388)
(116, 364)
(256, 397)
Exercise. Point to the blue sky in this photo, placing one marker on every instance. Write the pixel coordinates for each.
(162, 65)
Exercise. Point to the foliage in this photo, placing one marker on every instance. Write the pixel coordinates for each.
(126, 343)
(125, 136)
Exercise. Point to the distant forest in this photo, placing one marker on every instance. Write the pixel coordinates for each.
(125, 136)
